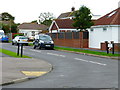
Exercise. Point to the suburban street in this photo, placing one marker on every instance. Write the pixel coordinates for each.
(70, 70)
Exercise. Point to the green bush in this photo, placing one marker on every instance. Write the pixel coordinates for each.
(18, 35)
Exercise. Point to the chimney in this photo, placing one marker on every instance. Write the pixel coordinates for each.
(73, 9)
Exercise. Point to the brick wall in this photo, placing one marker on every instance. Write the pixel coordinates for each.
(71, 39)
(116, 46)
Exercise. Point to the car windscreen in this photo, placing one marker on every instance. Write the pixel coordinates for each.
(4, 36)
(1, 33)
(23, 38)
(45, 38)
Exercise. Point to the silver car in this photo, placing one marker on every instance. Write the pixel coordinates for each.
(20, 39)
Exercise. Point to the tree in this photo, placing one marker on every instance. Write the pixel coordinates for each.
(5, 27)
(35, 21)
(82, 19)
(46, 18)
(9, 28)
(7, 23)
(7, 17)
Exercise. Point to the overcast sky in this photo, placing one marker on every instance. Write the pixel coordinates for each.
(29, 10)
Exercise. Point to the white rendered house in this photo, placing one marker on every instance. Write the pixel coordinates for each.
(31, 29)
(106, 28)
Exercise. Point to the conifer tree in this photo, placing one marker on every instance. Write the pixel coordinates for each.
(82, 19)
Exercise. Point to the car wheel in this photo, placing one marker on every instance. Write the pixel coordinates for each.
(16, 43)
(52, 48)
(26, 44)
(34, 47)
(12, 43)
(39, 47)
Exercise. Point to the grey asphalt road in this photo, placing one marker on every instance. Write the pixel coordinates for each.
(70, 70)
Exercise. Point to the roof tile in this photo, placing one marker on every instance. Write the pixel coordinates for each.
(34, 26)
(65, 23)
(111, 18)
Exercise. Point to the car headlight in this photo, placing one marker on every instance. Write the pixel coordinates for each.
(52, 42)
(41, 41)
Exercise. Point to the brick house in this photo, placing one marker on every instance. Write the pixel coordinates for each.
(71, 15)
(62, 25)
(64, 22)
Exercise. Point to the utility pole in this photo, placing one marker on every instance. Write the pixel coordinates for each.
(1, 21)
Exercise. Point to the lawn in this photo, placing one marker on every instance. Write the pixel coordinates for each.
(87, 51)
(12, 54)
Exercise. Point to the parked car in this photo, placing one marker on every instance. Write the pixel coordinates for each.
(43, 41)
(4, 38)
(20, 39)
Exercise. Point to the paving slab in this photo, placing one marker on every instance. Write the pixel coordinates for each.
(13, 69)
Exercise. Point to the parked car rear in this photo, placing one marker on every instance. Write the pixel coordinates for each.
(20, 39)
(4, 38)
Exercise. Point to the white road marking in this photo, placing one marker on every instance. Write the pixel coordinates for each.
(62, 75)
(90, 61)
(35, 50)
(56, 55)
(81, 59)
(19, 47)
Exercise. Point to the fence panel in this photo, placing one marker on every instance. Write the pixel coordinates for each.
(54, 35)
(76, 35)
(61, 35)
(68, 35)
(85, 35)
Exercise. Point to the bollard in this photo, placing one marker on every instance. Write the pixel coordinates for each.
(113, 48)
(18, 49)
(107, 46)
(21, 49)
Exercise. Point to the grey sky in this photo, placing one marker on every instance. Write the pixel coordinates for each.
(29, 10)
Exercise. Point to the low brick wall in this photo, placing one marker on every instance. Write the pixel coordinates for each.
(116, 46)
(71, 39)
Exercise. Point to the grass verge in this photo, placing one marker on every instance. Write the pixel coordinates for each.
(30, 44)
(87, 51)
(12, 54)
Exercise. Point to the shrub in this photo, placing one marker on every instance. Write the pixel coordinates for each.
(20, 34)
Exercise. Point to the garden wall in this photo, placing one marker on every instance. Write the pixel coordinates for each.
(71, 39)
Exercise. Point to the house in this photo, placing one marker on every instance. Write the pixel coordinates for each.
(62, 25)
(64, 22)
(31, 29)
(71, 15)
(106, 28)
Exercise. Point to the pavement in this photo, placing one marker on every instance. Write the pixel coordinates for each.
(16, 70)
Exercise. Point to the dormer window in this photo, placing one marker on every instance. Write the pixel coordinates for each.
(111, 14)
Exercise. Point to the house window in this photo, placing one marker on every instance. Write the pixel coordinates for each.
(104, 28)
(91, 29)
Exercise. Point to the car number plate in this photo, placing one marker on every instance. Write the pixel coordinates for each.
(23, 40)
(47, 45)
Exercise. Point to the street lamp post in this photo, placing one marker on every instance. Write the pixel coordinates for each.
(1, 21)
(10, 22)
(10, 26)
